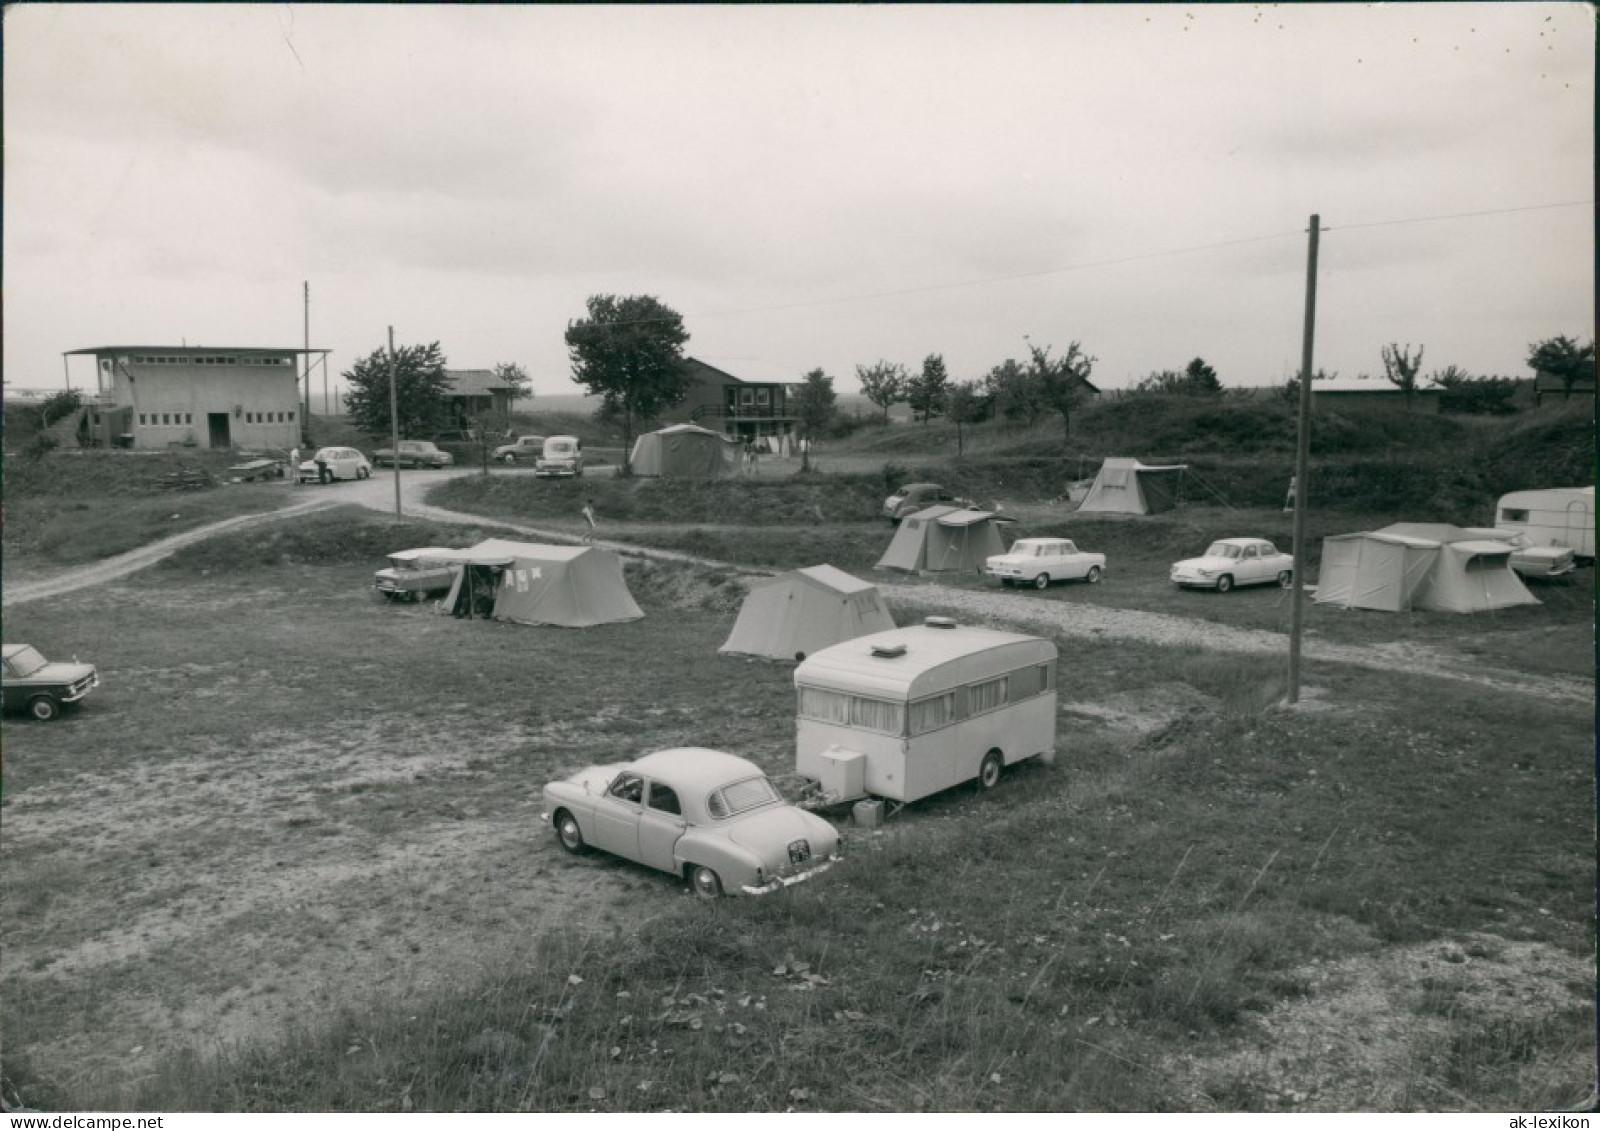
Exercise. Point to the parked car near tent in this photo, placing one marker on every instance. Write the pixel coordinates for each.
(914, 497)
(907, 713)
(34, 684)
(1229, 562)
(414, 453)
(1529, 558)
(1553, 516)
(334, 463)
(1039, 561)
(712, 818)
(562, 458)
(414, 574)
(531, 583)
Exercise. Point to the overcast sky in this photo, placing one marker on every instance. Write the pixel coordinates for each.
(807, 186)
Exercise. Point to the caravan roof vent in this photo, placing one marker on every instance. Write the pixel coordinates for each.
(888, 651)
(939, 622)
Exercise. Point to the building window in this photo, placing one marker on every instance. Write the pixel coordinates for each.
(763, 396)
(166, 418)
(291, 418)
(747, 396)
(188, 419)
(141, 418)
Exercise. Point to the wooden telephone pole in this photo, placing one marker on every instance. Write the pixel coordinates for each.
(1302, 458)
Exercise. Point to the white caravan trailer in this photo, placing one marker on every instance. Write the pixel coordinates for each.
(1556, 516)
(909, 712)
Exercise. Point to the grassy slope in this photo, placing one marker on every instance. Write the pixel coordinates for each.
(1071, 942)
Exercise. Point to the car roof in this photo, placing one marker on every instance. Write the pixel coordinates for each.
(695, 770)
(1036, 541)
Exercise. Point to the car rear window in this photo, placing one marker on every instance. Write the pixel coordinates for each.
(741, 796)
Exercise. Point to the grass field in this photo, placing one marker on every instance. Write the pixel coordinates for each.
(288, 857)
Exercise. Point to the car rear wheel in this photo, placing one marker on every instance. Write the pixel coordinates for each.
(1042, 581)
(1006, 581)
(568, 832)
(706, 883)
(1093, 576)
(44, 707)
(1285, 578)
(509, 457)
(1224, 583)
(989, 770)
(363, 473)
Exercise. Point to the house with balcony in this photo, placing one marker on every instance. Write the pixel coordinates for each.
(158, 397)
(742, 410)
(478, 396)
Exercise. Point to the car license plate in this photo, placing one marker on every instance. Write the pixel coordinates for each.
(799, 851)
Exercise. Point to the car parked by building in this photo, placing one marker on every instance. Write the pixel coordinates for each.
(412, 575)
(1228, 562)
(528, 448)
(40, 687)
(414, 453)
(710, 817)
(1039, 561)
(329, 464)
(914, 497)
(560, 458)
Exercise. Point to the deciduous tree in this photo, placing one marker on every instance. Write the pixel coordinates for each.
(422, 390)
(629, 352)
(515, 378)
(1401, 369)
(926, 390)
(1562, 357)
(1016, 392)
(1063, 381)
(963, 404)
(883, 383)
(814, 403)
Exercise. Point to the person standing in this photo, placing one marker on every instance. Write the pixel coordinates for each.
(294, 466)
(1288, 502)
(588, 518)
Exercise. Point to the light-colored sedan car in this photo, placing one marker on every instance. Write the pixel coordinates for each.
(710, 817)
(1039, 561)
(914, 497)
(1228, 562)
(414, 574)
(334, 463)
(415, 453)
(1528, 559)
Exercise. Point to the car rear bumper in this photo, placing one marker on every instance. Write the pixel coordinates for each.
(778, 883)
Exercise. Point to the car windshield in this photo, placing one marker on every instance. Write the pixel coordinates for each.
(26, 662)
(1222, 550)
(558, 449)
(742, 796)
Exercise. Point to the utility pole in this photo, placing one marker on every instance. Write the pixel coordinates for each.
(305, 414)
(394, 425)
(1302, 458)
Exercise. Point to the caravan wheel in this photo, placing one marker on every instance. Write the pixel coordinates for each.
(989, 770)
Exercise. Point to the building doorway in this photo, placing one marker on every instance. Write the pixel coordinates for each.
(217, 429)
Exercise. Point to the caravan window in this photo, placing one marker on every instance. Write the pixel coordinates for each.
(988, 695)
(875, 714)
(931, 714)
(1513, 514)
(825, 706)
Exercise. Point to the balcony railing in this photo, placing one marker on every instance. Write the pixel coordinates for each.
(740, 412)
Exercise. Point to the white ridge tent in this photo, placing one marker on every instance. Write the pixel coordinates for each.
(1419, 565)
(683, 451)
(531, 583)
(795, 614)
(1126, 486)
(944, 539)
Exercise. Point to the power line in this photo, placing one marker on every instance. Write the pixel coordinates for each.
(1460, 215)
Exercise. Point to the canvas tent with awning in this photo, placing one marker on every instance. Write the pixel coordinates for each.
(1417, 565)
(683, 451)
(794, 614)
(1126, 486)
(532, 583)
(944, 539)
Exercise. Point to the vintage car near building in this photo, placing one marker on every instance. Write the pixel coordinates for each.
(710, 817)
(334, 463)
(40, 687)
(914, 497)
(561, 457)
(1039, 561)
(414, 453)
(412, 575)
(1542, 562)
(528, 448)
(1228, 562)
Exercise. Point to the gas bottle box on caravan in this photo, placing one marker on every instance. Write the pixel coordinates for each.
(906, 713)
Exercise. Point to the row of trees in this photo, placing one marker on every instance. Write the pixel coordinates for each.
(422, 389)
